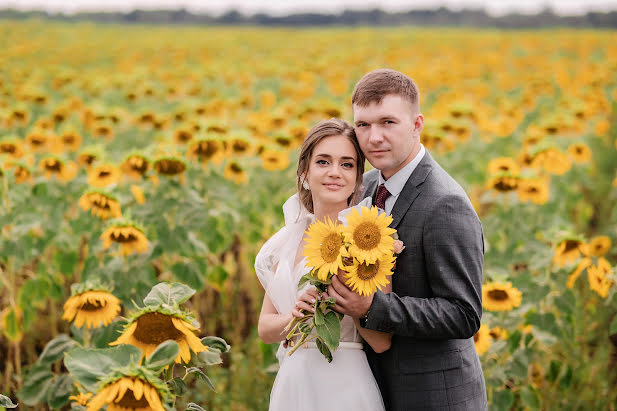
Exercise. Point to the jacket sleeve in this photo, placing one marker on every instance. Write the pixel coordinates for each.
(453, 247)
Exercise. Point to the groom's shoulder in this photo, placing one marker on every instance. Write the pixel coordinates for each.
(371, 175)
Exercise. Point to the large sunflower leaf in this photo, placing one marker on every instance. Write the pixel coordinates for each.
(55, 348)
(177, 386)
(202, 375)
(36, 384)
(191, 406)
(323, 348)
(170, 294)
(330, 330)
(6, 402)
(216, 343)
(87, 366)
(164, 355)
(319, 318)
(60, 391)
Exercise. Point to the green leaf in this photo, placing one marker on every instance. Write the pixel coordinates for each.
(191, 406)
(503, 400)
(202, 375)
(36, 384)
(553, 371)
(530, 397)
(55, 349)
(514, 340)
(319, 318)
(87, 365)
(177, 386)
(305, 328)
(613, 327)
(59, 391)
(323, 348)
(11, 325)
(330, 331)
(216, 343)
(303, 280)
(189, 274)
(6, 402)
(566, 380)
(66, 262)
(545, 322)
(163, 355)
(170, 294)
(102, 336)
(205, 358)
(218, 275)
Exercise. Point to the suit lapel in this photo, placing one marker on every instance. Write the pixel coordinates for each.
(371, 188)
(410, 191)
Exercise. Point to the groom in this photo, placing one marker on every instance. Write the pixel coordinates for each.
(435, 305)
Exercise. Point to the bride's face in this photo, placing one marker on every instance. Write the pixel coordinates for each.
(332, 172)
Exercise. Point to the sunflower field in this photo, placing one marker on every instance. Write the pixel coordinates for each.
(142, 168)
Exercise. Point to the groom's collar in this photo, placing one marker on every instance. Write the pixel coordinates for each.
(396, 183)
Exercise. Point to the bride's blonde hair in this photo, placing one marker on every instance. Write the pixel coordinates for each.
(323, 129)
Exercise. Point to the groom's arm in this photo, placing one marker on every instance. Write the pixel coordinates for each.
(454, 255)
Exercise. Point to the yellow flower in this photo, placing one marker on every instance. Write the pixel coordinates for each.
(503, 165)
(135, 166)
(368, 234)
(183, 135)
(131, 239)
(500, 297)
(81, 399)
(150, 329)
(37, 140)
(598, 246)
(170, 166)
(53, 166)
(100, 204)
(535, 190)
(235, 172)
(70, 141)
(92, 308)
(206, 150)
(12, 148)
(568, 251)
(104, 175)
(498, 333)
(582, 265)
(552, 160)
(138, 193)
(127, 393)
(274, 160)
(579, 153)
(324, 248)
(365, 279)
(597, 276)
(503, 183)
(482, 340)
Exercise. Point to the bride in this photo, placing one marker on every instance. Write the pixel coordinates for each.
(330, 171)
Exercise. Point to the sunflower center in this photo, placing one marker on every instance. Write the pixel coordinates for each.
(367, 272)
(240, 146)
(88, 158)
(331, 247)
(154, 328)
(122, 238)
(8, 148)
(101, 204)
(235, 168)
(53, 165)
(366, 236)
(91, 307)
(570, 245)
(104, 173)
(206, 149)
(169, 167)
(505, 184)
(499, 295)
(129, 401)
(184, 136)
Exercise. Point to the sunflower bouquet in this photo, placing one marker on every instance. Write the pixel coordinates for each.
(364, 249)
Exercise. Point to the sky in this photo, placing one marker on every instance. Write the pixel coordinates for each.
(282, 7)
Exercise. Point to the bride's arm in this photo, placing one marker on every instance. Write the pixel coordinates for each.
(379, 341)
(271, 323)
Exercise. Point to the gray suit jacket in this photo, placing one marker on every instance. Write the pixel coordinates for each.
(435, 305)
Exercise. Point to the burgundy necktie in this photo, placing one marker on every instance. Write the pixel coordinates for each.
(380, 198)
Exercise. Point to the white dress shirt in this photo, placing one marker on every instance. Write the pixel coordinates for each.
(396, 183)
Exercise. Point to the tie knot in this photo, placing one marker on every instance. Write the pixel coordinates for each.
(380, 197)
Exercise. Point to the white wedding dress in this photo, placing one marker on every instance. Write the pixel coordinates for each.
(306, 381)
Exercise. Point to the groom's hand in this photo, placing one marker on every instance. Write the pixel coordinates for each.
(347, 301)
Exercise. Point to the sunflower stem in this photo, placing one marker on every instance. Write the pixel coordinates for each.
(86, 336)
(169, 372)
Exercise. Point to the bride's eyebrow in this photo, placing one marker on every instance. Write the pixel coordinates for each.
(329, 157)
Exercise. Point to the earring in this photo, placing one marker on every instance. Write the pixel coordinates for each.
(306, 186)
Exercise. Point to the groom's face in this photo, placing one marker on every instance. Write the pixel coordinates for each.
(388, 133)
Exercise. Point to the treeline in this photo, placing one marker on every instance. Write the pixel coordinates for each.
(376, 17)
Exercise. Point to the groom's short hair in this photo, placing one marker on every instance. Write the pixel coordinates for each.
(377, 84)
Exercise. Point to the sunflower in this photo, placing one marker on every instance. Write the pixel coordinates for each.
(53, 166)
(503, 165)
(138, 193)
(274, 160)
(552, 160)
(579, 153)
(597, 276)
(368, 234)
(101, 204)
(569, 250)
(183, 135)
(236, 173)
(582, 265)
(128, 393)
(533, 189)
(11, 147)
(135, 165)
(153, 325)
(87, 158)
(81, 398)
(206, 150)
(365, 279)
(128, 235)
(500, 297)
(104, 175)
(91, 307)
(498, 333)
(37, 140)
(169, 166)
(240, 146)
(324, 248)
(482, 339)
(503, 183)
(598, 246)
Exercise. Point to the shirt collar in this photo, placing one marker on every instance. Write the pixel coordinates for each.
(395, 184)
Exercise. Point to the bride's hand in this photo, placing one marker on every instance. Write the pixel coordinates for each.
(305, 302)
